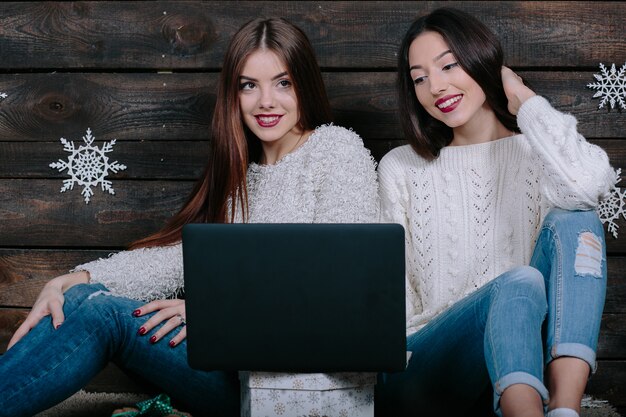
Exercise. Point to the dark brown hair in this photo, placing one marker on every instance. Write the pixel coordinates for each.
(222, 188)
(477, 51)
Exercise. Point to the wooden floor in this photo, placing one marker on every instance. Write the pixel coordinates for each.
(144, 74)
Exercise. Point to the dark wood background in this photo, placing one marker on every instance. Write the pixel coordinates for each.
(144, 73)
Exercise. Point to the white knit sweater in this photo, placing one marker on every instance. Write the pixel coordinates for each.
(474, 212)
(331, 178)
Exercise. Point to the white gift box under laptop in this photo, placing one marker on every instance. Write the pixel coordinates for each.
(342, 394)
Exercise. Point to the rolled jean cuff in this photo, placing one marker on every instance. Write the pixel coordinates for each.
(575, 350)
(518, 378)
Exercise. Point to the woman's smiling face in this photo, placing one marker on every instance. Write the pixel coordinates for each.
(442, 87)
(268, 101)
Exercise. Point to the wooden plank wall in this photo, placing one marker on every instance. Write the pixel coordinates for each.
(144, 73)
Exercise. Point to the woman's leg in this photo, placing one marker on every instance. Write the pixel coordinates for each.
(49, 365)
(214, 393)
(33, 357)
(493, 333)
(571, 255)
(513, 344)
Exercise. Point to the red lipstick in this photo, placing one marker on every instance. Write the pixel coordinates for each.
(267, 120)
(448, 103)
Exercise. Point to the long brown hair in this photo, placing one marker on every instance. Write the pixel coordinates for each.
(477, 51)
(222, 188)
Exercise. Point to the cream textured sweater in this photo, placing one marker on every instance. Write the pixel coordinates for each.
(331, 178)
(474, 212)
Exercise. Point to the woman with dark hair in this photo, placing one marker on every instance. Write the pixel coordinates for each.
(506, 265)
(274, 157)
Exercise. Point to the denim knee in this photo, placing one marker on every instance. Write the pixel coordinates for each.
(83, 291)
(101, 305)
(525, 281)
(585, 219)
(77, 294)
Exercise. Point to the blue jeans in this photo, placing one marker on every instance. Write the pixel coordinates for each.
(508, 330)
(48, 365)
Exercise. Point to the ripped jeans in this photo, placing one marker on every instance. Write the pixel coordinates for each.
(506, 332)
(47, 365)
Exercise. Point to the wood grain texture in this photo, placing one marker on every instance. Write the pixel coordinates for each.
(616, 287)
(345, 34)
(612, 336)
(143, 106)
(10, 319)
(23, 272)
(115, 106)
(154, 160)
(34, 214)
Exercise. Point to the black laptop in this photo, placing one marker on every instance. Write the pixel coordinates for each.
(295, 297)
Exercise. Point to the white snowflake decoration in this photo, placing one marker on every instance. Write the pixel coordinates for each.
(611, 86)
(613, 207)
(88, 166)
(3, 95)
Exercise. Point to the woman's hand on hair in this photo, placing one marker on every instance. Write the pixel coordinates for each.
(49, 303)
(516, 92)
(169, 312)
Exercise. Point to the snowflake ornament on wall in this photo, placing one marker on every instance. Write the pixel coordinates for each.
(613, 207)
(611, 86)
(88, 166)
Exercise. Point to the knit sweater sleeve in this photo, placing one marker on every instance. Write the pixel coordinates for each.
(348, 191)
(575, 173)
(145, 274)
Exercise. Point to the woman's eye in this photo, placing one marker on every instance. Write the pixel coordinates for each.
(284, 83)
(450, 66)
(418, 80)
(246, 86)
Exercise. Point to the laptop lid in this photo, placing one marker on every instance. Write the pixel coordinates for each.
(295, 297)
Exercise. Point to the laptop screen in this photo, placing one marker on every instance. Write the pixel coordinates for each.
(295, 297)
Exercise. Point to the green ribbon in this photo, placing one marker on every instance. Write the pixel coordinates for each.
(158, 406)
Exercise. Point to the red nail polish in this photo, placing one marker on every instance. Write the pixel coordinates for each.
(172, 343)
(57, 326)
(136, 313)
(141, 331)
(153, 339)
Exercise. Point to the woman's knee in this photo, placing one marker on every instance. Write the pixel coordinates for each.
(81, 292)
(574, 219)
(104, 304)
(524, 281)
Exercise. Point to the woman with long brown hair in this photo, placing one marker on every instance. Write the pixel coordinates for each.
(275, 157)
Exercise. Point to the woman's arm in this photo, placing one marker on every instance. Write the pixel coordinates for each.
(142, 274)
(575, 173)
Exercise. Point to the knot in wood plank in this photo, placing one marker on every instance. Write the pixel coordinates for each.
(55, 106)
(188, 36)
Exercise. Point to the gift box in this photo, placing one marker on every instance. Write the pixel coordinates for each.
(343, 394)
